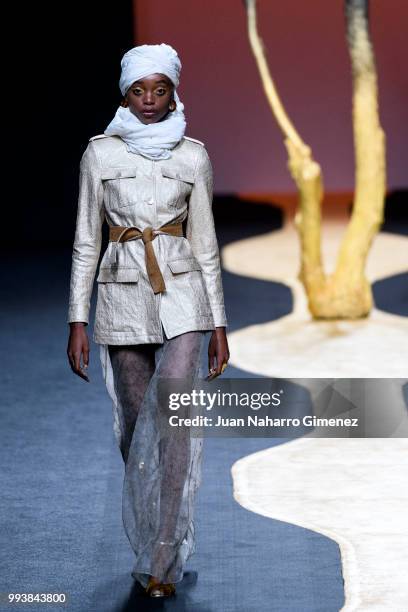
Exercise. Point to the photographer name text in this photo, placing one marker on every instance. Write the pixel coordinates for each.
(256, 421)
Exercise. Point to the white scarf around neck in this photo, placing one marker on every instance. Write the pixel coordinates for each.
(153, 140)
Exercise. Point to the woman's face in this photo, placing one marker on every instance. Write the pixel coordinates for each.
(150, 98)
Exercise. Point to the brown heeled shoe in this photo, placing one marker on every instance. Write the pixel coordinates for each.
(159, 589)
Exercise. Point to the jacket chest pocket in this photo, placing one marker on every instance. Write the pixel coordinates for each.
(175, 186)
(122, 187)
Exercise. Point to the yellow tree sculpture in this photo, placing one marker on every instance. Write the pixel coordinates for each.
(346, 293)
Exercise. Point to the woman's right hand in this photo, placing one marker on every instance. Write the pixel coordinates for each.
(78, 344)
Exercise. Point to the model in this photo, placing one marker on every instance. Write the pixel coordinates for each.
(159, 292)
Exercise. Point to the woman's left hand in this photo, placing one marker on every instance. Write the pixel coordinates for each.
(218, 352)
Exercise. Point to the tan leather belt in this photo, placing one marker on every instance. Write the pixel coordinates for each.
(119, 233)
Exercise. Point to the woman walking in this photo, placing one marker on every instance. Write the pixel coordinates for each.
(159, 292)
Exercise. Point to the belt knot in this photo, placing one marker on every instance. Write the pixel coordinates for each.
(122, 233)
(147, 234)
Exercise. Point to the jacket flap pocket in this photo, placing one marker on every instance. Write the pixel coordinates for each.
(180, 174)
(118, 275)
(183, 265)
(118, 173)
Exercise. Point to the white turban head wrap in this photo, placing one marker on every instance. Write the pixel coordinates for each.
(153, 140)
(149, 59)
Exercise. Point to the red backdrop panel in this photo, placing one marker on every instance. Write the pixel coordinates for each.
(225, 105)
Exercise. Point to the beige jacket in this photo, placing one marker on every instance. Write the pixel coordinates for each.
(128, 189)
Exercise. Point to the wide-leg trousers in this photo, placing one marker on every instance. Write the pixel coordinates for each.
(162, 468)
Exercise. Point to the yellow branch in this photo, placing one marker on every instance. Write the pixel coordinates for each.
(346, 293)
(272, 96)
(304, 170)
(369, 144)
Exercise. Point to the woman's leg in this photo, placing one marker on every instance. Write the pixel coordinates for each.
(133, 367)
(178, 358)
(162, 471)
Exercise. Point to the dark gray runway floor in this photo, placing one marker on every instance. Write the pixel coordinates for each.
(61, 476)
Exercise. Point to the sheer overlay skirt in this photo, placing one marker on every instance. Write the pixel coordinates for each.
(162, 471)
